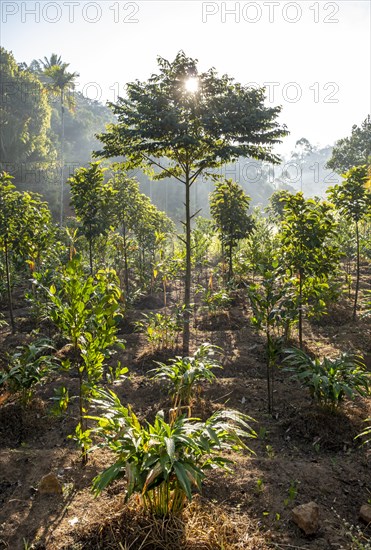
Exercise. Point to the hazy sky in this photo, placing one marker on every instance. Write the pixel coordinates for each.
(314, 57)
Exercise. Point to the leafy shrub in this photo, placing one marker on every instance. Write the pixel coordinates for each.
(87, 309)
(161, 330)
(185, 374)
(216, 301)
(27, 367)
(331, 380)
(163, 461)
(273, 308)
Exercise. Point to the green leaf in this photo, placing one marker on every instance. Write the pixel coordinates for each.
(101, 481)
(170, 447)
(183, 479)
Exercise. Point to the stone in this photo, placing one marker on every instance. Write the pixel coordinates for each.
(306, 516)
(50, 485)
(365, 513)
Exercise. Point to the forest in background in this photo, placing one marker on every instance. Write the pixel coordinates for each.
(30, 143)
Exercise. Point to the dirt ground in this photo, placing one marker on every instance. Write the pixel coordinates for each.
(303, 454)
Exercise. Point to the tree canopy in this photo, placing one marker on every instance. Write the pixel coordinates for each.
(24, 117)
(354, 150)
(229, 207)
(216, 123)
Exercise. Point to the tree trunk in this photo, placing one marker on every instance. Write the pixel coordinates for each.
(301, 309)
(91, 256)
(82, 404)
(9, 290)
(230, 264)
(357, 274)
(269, 374)
(126, 270)
(187, 285)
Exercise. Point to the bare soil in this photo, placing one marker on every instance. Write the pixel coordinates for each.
(303, 452)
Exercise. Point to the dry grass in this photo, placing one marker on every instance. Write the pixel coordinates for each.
(202, 526)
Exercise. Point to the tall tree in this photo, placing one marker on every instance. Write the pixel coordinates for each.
(52, 61)
(308, 252)
(24, 120)
(354, 150)
(91, 198)
(229, 207)
(126, 207)
(353, 199)
(183, 123)
(60, 82)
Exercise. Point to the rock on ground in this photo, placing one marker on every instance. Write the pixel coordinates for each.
(306, 516)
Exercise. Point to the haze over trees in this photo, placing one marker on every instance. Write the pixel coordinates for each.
(33, 147)
(30, 146)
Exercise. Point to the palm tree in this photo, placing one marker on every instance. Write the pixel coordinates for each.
(59, 83)
(54, 59)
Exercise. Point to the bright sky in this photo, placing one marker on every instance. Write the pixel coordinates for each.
(313, 56)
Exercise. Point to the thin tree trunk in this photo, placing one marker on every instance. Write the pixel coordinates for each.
(357, 274)
(269, 383)
(187, 285)
(91, 255)
(9, 290)
(82, 418)
(230, 268)
(301, 309)
(126, 269)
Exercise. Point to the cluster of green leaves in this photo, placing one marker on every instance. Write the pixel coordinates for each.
(258, 250)
(91, 198)
(202, 235)
(27, 367)
(272, 301)
(354, 150)
(273, 305)
(166, 265)
(86, 309)
(164, 462)
(308, 251)
(24, 138)
(331, 380)
(117, 205)
(229, 207)
(352, 198)
(214, 300)
(186, 374)
(161, 330)
(25, 230)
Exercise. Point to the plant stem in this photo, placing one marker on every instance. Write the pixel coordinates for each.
(187, 289)
(301, 308)
(9, 290)
(357, 273)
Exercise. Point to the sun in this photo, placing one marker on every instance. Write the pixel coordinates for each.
(191, 84)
